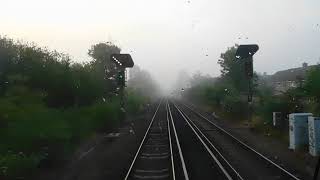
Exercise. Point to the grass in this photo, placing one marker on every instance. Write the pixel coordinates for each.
(260, 124)
(34, 136)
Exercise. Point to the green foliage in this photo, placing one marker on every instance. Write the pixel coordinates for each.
(49, 104)
(12, 164)
(233, 70)
(135, 102)
(227, 92)
(312, 89)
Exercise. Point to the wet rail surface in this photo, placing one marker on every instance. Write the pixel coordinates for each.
(182, 144)
(153, 158)
(249, 163)
(171, 149)
(199, 162)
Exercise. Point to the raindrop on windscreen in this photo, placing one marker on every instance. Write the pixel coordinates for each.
(6, 82)
(225, 89)
(207, 55)
(104, 99)
(182, 89)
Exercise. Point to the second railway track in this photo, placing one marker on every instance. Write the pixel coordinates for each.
(182, 144)
(245, 160)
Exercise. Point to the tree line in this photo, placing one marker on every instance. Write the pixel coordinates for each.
(50, 103)
(228, 92)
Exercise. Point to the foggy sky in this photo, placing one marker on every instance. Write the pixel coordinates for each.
(165, 36)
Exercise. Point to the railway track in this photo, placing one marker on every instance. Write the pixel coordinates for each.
(180, 143)
(171, 149)
(155, 157)
(248, 162)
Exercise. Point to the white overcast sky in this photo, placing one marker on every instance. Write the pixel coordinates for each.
(165, 36)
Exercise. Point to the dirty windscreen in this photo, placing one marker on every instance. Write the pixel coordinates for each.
(145, 89)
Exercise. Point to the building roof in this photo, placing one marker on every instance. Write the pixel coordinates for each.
(291, 74)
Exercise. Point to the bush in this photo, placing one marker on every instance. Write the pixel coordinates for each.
(49, 104)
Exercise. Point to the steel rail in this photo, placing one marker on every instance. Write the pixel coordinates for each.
(218, 152)
(205, 145)
(243, 144)
(185, 172)
(142, 142)
(170, 142)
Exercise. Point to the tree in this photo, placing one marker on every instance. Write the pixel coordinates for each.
(312, 87)
(101, 53)
(233, 70)
(105, 69)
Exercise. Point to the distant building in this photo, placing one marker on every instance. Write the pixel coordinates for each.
(281, 81)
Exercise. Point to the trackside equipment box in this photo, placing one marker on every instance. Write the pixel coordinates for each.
(298, 130)
(314, 135)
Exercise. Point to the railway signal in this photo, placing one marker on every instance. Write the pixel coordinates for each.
(122, 61)
(245, 53)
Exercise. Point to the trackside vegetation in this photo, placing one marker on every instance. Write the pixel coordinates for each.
(227, 94)
(49, 104)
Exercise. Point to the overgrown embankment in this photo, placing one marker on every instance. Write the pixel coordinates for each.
(49, 104)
